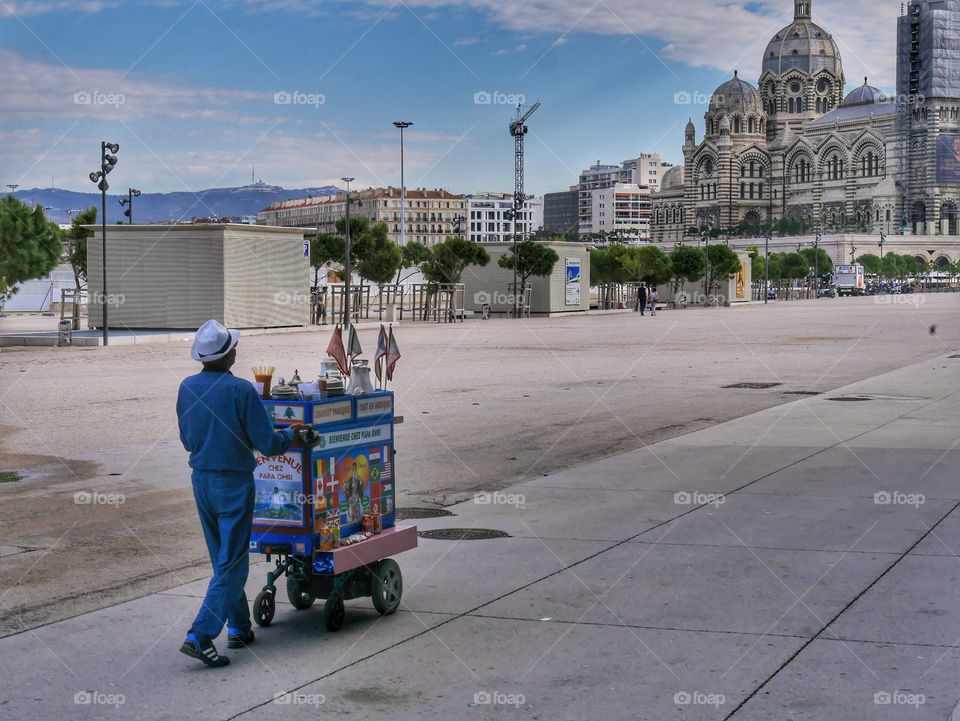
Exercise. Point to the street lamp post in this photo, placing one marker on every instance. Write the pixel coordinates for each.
(107, 163)
(346, 258)
(883, 239)
(401, 124)
(131, 194)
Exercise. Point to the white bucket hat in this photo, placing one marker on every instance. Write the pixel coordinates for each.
(213, 341)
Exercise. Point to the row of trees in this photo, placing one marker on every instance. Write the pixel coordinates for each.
(648, 264)
(377, 259)
(895, 265)
(31, 245)
(791, 266)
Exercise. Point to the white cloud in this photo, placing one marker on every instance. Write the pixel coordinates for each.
(706, 33)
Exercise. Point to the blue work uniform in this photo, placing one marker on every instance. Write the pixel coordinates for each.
(222, 420)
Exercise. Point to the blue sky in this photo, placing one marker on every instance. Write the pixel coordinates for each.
(195, 91)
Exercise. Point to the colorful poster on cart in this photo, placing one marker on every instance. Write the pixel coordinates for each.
(280, 500)
(353, 485)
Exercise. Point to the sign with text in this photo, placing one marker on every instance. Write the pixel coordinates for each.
(354, 437)
(336, 412)
(374, 406)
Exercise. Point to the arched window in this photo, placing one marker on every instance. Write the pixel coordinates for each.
(790, 105)
(743, 190)
(750, 125)
(736, 124)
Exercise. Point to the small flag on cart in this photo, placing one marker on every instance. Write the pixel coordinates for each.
(353, 344)
(336, 351)
(393, 354)
(381, 351)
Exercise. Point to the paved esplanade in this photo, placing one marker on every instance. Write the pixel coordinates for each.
(822, 584)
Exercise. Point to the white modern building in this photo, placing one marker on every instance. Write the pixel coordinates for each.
(623, 209)
(646, 171)
(488, 218)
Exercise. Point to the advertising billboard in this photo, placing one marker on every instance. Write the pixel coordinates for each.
(948, 159)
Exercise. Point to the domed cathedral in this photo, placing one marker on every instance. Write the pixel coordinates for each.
(794, 153)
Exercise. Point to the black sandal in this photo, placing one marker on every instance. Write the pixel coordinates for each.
(204, 651)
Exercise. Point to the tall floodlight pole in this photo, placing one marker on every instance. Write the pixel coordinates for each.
(13, 187)
(131, 194)
(816, 265)
(766, 269)
(518, 129)
(346, 258)
(107, 162)
(401, 124)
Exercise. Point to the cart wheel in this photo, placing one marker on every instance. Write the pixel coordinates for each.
(334, 611)
(387, 587)
(264, 606)
(299, 598)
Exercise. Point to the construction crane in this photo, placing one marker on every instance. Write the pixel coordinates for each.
(518, 129)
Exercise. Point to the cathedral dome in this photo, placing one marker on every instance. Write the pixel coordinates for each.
(736, 97)
(802, 45)
(672, 179)
(866, 94)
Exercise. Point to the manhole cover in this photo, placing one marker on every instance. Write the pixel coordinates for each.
(404, 514)
(850, 398)
(463, 534)
(754, 386)
(801, 393)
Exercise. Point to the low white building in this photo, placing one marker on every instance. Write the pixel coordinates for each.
(488, 222)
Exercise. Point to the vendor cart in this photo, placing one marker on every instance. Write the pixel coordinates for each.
(325, 514)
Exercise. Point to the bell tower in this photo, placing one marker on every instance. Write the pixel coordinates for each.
(802, 10)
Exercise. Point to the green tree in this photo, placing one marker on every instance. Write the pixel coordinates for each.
(793, 266)
(450, 258)
(817, 259)
(647, 264)
(325, 248)
(890, 266)
(75, 252)
(30, 245)
(531, 259)
(870, 263)
(688, 264)
(412, 255)
(378, 257)
(722, 263)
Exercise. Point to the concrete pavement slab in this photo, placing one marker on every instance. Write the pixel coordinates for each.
(737, 590)
(816, 523)
(130, 650)
(707, 468)
(446, 576)
(855, 681)
(916, 602)
(482, 669)
(849, 471)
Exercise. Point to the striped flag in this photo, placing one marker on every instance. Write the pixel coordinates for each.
(393, 354)
(381, 351)
(353, 344)
(336, 350)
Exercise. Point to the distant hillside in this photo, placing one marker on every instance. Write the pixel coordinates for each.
(233, 203)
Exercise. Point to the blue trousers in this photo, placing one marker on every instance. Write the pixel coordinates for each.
(225, 505)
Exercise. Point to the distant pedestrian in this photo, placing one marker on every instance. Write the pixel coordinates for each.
(654, 297)
(642, 298)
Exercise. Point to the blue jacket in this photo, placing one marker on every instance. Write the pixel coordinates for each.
(222, 420)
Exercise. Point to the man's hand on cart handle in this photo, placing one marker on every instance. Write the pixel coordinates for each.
(303, 434)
